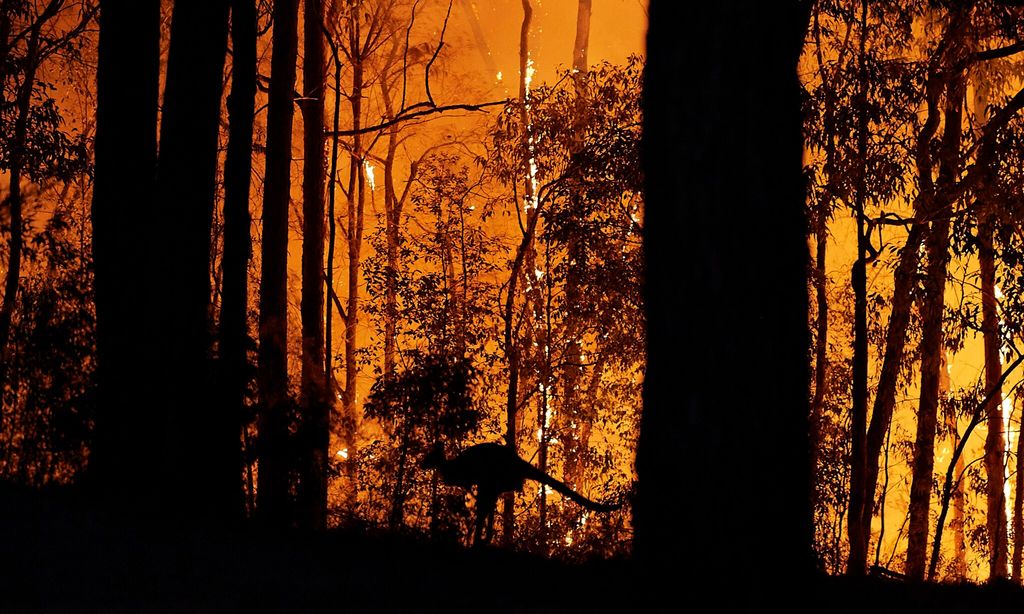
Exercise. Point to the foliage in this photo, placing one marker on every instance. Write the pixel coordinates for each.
(429, 403)
(48, 415)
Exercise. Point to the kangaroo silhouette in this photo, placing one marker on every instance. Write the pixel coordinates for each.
(495, 469)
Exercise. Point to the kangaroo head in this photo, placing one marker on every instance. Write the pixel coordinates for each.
(435, 458)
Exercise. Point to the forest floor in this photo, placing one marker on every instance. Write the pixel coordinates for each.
(54, 558)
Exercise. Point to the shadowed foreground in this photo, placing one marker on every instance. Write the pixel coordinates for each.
(58, 558)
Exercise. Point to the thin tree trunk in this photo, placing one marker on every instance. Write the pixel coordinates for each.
(512, 351)
(1018, 506)
(995, 441)
(23, 105)
(957, 525)
(820, 352)
(392, 221)
(937, 253)
(572, 415)
(273, 486)
(861, 500)
(332, 222)
(315, 408)
(354, 239)
(904, 279)
(820, 278)
(234, 309)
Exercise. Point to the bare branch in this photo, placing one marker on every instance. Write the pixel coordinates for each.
(431, 110)
(440, 44)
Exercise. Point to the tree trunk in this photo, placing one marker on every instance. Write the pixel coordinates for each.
(122, 218)
(820, 352)
(904, 280)
(392, 233)
(995, 441)
(273, 484)
(332, 223)
(957, 525)
(1018, 509)
(937, 253)
(23, 105)
(354, 242)
(234, 308)
(692, 179)
(572, 412)
(580, 46)
(861, 500)
(512, 350)
(202, 438)
(315, 408)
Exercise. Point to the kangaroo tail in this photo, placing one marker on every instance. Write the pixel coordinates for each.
(536, 474)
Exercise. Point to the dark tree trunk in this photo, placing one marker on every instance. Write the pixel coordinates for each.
(315, 408)
(121, 462)
(273, 487)
(512, 349)
(572, 410)
(392, 231)
(995, 441)
(937, 253)
(14, 203)
(820, 352)
(1018, 511)
(354, 232)
(722, 150)
(202, 444)
(904, 279)
(332, 224)
(234, 308)
(957, 524)
(354, 242)
(861, 500)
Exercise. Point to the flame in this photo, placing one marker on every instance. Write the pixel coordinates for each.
(342, 454)
(369, 175)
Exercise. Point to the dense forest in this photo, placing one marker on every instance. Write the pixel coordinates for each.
(261, 258)
(912, 135)
(344, 283)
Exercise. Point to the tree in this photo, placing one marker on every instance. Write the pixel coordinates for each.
(314, 398)
(36, 145)
(577, 316)
(937, 253)
(995, 441)
(272, 503)
(234, 307)
(429, 403)
(859, 498)
(201, 443)
(123, 213)
(700, 153)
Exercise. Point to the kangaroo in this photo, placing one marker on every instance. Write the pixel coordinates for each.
(495, 469)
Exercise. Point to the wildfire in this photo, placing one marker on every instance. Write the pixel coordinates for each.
(369, 175)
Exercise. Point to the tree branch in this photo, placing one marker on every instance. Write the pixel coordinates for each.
(431, 110)
(947, 487)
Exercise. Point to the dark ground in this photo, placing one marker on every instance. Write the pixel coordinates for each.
(56, 558)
